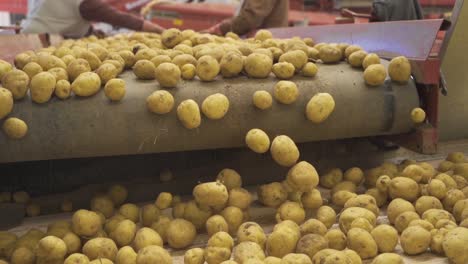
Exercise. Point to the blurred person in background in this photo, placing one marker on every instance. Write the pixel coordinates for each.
(72, 18)
(395, 10)
(252, 15)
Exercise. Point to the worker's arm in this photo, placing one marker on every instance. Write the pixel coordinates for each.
(380, 11)
(100, 11)
(251, 16)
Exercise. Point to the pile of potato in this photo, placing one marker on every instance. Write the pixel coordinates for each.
(82, 67)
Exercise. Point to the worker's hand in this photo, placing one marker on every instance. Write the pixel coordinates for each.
(152, 27)
(214, 30)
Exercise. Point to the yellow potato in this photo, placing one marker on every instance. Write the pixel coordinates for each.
(15, 128)
(240, 198)
(362, 242)
(425, 203)
(362, 223)
(207, 68)
(354, 174)
(302, 177)
(375, 74)
(364, 201)
(103, 204)
(106, 72)
(31, 69)
(221, 239)
(309, 69)
(388, 258)
(188, 113)
(171, 37)
(183, 59)
(5, 67)
(340, 198)
(181, 233)
(17, 82)
(214, 255)
(145, 237)
(262, 100)
(50, 249)
(76, 258)
(77, 67)
(404, 219)
(198, 215)
(290, 211)
(331, 178)
(283, 70)
(298, 58)
(144, 70)
(115, 89)
(144, 54)
(215, 106)
(336, 239)
(247, 250)
(455, 245)
(42, 87)
(286, 92)
(211, 194)
(160, 59)
(294, 258)
(194, 256)
(153, 254)
(415, 240)
(386, 238)
(350, 214)
(257, 140)
(67, 59)
(128, 57)
(216, 223)
(23, 255)
(330, 54)
(356, 58)
(399, 69)
(87, 84)
(312, 199)
(234, 217)
(168, 75)
(272, 194)
(418, 115)
(251, 231)
(160, 102)
(124, 233)
(160, 226)
(310, 244)
(164, 200)
(263, 35)
(188, 72)
(231, 65)
(118, 194)
(73, 242)
(351, 49)
(230, 178)
(284, 151)
(62, 89)
(6, 102)
(402, 187)
(130, 212)
(258, 65)
(320, 107)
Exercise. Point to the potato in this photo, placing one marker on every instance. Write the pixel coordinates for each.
(50, 249)
(86, 84)
(215, 106)
(257, 140)
(234, 217)
(67, 59)
(183, 59)
(101, 261)
(4, 68)
(42, 87)
(298, 58)
(160, 59)
(375, 74)
(388, 258)
(330, 54)
(326, 215)
(272, 194)
(364, 201)
(310, 244)
(422, 223)
(124, 233)
(404, 219)
(258, 65)
(106, 72)
(144, 70)
(455, 245)
(197, 215)
(146, 237)
(216, 223)
(73, 242)
(31, 69)
(214, 255)
(86, 223)
(451, 198)
(425, 203)
(415, 240)
(207, 68)
(188, 72)
(356, 58)
(262, 100)
(302, 177)
(434, 215)
(286, 92)
(144, 54)
(449, 182)
(240, 198)
(128, 57)
(77, 67)
(62, 89)
(221, 239)
(309, 69)
(130, 212)
(247, 250)
(167, 75)
(118, 194)
(458, 209)
(16, 82)
(77, 258)
(312, 199)
(322, 255)
(100, 248)
(320, 107)
(188, 113)
(211, 194)
(230, 178)
(336, 239)
(398, 206)
(15, 128)
(181, 233)
(294, 258)
(362, 223)
(350, 214)
(362, 242)
(6, 102)
(103, 204)
(399, 69)
(351, 49)
(354, 174)
(23, 255)
(231, 65)
(194, 256)
(118, 65)
(263, 35)
(153, 254)
(456, 157)
(160, 102)
(283, 70)
(115, 89)
(386, 238)
(284, 151)
(402, 187)
(414, 172)
(418, 115)
(290, 211)
(331, 178)
(164, 200)
(171, 37)
(160, 226)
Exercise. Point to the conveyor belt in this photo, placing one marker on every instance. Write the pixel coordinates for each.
(91, 127)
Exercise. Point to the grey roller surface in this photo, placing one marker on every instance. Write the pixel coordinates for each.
(94, 126)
